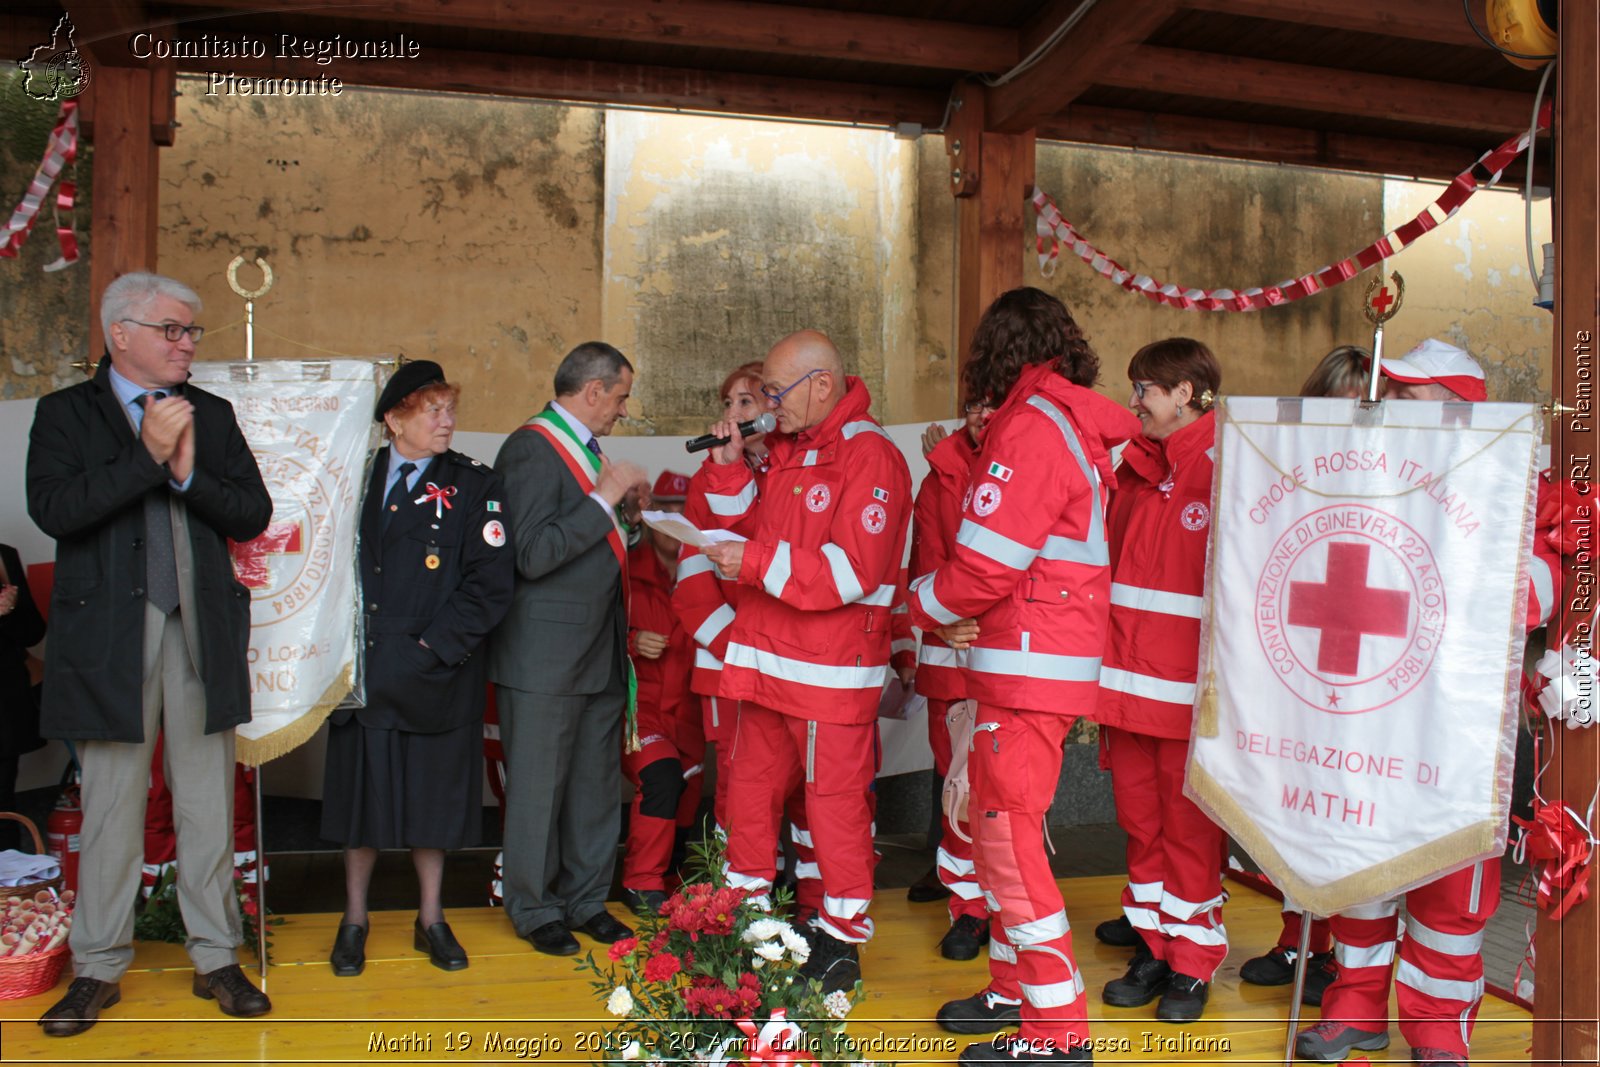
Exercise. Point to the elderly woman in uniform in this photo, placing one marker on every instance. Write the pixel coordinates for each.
(436, 574)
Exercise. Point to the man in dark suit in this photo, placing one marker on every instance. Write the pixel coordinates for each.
(142, 480)
(559, 660)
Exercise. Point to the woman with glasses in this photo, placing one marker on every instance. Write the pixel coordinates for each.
(437, 568)
(1159, 522)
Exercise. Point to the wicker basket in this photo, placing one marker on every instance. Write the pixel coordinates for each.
(26, 976)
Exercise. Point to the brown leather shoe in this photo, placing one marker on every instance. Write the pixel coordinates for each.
(232, 991)
(80, 1008)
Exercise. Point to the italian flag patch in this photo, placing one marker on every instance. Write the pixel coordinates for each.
(881, 495)
(1001, 471)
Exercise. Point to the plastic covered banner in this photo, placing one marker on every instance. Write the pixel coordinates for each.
(310, 427)
(1363, 638)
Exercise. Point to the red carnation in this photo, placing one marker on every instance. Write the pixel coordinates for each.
(662, 968)
(622, 948)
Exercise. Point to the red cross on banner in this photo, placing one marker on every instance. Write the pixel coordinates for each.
(250, 557)
(1345, 608)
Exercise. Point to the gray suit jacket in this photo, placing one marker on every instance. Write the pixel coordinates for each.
(566, 632)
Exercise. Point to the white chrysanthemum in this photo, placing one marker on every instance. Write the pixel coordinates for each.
(765, 930)
(770, 950)
(837, 1003)
(632, 1050)
(620, 1002)
(799, 950)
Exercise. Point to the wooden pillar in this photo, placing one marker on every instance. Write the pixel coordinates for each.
(991, 178)
(1567, 994)
(126, 198)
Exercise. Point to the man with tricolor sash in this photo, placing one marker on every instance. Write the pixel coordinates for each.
(559, 661)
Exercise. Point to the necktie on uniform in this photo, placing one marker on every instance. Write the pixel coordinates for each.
(399, 494)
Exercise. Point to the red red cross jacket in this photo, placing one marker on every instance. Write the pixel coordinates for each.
(666, 703)
(1030, 554)
(705, 601)
(935, 517)
(811, 635)
(1160, 519)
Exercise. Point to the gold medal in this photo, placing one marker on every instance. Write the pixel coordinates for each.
(432, 562)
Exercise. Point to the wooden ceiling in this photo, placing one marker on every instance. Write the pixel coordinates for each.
(1390, 86)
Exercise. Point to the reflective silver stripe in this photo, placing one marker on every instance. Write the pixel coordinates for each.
(715, 623)
(1000, 951)
(882, 597)
(1097, 530)
(1378, 909)
(990, 902)
(810, 459)
(1449, 944)
(844, 907)
(1034, 664)
(1147, 686)
(996, 546)
(821, 675)
(902, 644)
(844, 575)
(930, 603)
(706, 661)
(1038, 931)
(807, 870)
(1179, 908)
(699, 563)
(738, 504)
(777, 570)
(1439, 988)
(811, 751)
(1199, 935)
(1379, 955)
(955, 865)
(853, 428)
(1145, 892)
(1054, 995)
(1475, 898)
(1156, 600)
(1093, 553)
(1544, 588)
(938, 656)
(747, 882)
(1143, 918)
(799, 836)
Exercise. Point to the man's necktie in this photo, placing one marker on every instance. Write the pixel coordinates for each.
(594, 445)
(399, 494)
(161, 565)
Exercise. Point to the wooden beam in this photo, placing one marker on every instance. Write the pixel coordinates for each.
(1272, 84)
(104, 27)
(1096, 43)
(1293, 145)
(1435, 21)
(599, 83)
(126, 201)
(1567, 985)
(740, 25)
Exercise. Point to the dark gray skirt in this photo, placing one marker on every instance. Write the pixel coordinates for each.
(397, 789)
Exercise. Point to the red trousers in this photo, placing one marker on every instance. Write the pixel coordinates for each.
(1174, 894)
(834, 764)
(1015, 762)
(1439, 983)
(718, 718)
(1289, 936)
(956, 868)
(663, 800)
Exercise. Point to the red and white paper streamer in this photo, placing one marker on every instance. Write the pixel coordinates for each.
(60, 152)
(1053, 230)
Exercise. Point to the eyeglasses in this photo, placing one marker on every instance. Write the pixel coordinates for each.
(777, 397)
(174, 331)
(1139, 388)
(974, 407)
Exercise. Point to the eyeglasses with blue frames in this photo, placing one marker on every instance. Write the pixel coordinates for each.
(1139, 388)
(174, 331)
(777, 397)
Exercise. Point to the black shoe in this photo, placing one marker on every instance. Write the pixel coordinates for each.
(1118, 932)
(834, 963)
(1332, 1041)
(553, 939)
(1275, 968)
(981, 1013)
(603, 928)
(927, 889)
(1438, 1055)
(1184, 1001)
(349, 955)
(443, 950)
(966, 936)
(1145, 981)
(1014, 1048)
(232, 991)
(81, 1007)
(643, 901)
(1320, 973)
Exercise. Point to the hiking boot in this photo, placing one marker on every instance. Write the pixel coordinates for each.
(1331, 1041)
(1275, 968)
(1320, 973)
(981, 1013)
(1146, 980)
(834, 963)
(1184, 1001)
(1118, 932)
(1437, 1055)
(966, 936)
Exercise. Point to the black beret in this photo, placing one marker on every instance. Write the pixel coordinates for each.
(406, 380)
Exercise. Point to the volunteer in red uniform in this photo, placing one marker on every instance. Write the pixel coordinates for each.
(1160, 519)
(935, 518)
(666, 771)
(1030, 565)
(1439, 981)
(809, 647)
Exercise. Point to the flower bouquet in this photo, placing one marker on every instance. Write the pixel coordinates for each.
(714, 978)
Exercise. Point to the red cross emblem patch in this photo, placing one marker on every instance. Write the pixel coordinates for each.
(986, 499)
(818, 498)
(874, 518)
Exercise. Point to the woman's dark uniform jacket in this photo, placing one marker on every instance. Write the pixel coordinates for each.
(451, 606)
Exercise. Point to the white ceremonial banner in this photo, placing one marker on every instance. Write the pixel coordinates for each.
(310, 426)
(1363, 638)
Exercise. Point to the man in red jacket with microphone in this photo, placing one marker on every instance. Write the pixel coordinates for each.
(1027, 588)
(809, 648)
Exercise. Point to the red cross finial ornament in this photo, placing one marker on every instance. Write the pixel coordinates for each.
(1381, 304)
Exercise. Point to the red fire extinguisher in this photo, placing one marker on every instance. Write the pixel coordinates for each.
(62, 832)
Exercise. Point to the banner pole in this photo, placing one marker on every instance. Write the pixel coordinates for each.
(261, 881)
(1299, 984)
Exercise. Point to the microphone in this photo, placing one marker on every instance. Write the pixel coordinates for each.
(762, 423)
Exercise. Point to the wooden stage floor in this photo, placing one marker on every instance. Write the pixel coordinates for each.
(545, 1007)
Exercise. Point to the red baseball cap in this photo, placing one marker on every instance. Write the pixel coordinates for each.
(1442, 364)
(670, 486)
